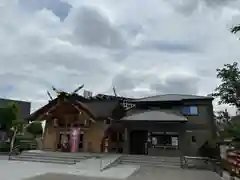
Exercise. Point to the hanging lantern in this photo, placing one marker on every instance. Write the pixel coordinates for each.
(86, 122)
(55, 122)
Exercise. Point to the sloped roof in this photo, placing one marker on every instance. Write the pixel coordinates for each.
(98, 108)
(102, 108)
(172, 97)
(155, 115)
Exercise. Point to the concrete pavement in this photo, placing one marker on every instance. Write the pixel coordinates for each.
(143, 174)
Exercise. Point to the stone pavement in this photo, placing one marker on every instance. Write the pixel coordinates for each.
(173, 174)
(18, 170)
(143, 174)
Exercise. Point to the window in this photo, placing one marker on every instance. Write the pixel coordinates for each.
(162, 140)
(190, 110)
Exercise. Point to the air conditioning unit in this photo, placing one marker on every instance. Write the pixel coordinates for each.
(87, 94)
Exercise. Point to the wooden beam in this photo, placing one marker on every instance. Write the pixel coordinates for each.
(83, 111)
(46, 113)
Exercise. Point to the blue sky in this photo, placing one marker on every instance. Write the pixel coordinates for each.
(141, 47)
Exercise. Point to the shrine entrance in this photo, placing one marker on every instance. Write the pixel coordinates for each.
(68, 141)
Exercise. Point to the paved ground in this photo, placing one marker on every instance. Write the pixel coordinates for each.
(14, 170)
(143, 174)
(173, 174)
(19, 170)
(3, 157)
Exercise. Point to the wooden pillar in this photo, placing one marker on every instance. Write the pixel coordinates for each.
(126, 141)
(50, 136)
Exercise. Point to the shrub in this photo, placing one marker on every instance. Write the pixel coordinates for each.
(210, 150)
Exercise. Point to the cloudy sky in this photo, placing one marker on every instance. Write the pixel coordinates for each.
(141, 47)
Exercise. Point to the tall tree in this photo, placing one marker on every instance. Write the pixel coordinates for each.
(7, 115)
(234, 130)
(229, 89)
(9, 121)
(222, 119)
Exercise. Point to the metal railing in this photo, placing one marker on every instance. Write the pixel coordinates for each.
(201, 163)
(14, 150)
(109, 163)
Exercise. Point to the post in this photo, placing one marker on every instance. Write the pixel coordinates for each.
(100, 164)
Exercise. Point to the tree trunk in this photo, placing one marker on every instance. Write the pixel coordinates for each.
(12, 142)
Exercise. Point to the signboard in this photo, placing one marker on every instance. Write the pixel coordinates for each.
(74, 139)
(174, 141)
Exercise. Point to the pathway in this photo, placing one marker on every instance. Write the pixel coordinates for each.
(143, 174)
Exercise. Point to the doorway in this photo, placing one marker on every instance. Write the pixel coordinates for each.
(138, 140)
(64, 141)
(80, 144)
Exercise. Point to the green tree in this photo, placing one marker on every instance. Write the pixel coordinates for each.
(234, 129)
(222, 118)
(35, 128)
(229, 89)
(7, 115)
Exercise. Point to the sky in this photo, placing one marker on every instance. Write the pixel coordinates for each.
(141, 47)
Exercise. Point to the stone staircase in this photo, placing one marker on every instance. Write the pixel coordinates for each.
(51, 157)
(154, 161)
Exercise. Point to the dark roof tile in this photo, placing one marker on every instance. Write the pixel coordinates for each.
(155, 115)
(172, 97)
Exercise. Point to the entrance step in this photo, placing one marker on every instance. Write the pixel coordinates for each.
(155, 161)
(98, 163)
(51, 157)
(54, 161)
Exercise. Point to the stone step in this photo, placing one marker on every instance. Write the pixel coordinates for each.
(148, 164)
(57, 154)
(50, 157)
(150, 158)
(153, 158)
(54, 161)
(76, 158)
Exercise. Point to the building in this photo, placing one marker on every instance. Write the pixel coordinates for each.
(24, 106)
(24, 112)
(169, 125)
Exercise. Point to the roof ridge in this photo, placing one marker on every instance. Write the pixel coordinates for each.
(173, 94)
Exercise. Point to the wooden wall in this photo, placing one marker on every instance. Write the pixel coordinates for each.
(93, 137)
(50, 138)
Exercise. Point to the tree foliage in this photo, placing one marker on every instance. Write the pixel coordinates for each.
(229, 89)
(35, 128)
(234, 129)
(222, 118)
(8, 114)
(10, 121)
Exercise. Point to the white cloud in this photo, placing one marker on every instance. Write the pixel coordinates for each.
(141, 47)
